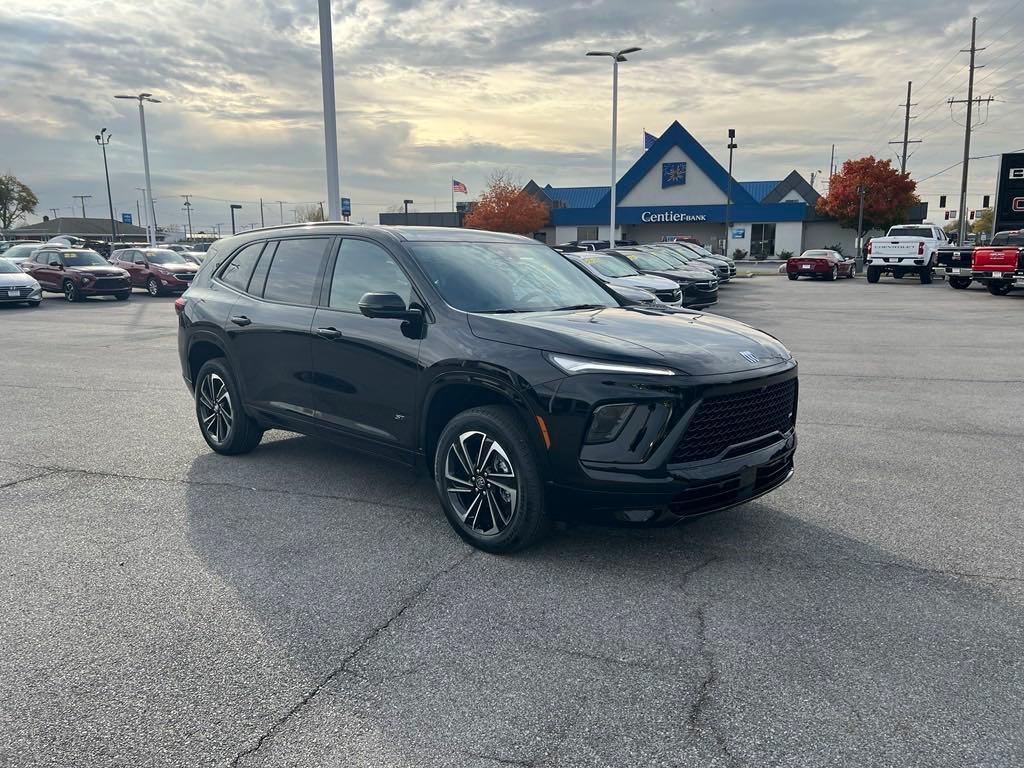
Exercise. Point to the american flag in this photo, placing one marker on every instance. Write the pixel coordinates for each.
(458, 186)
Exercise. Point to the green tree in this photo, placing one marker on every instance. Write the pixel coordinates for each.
(16, 200)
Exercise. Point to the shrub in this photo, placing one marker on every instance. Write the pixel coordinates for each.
(786, 255)
(739, 253)
(837, 247)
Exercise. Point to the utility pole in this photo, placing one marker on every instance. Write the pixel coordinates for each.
(831, 166)
(55, 212)
(280, 209)
(906, 130)
(262, 222)
(103, 138)
(322, 210)
(83, 198)
(969, 101)
(188, 213)
(861, 191)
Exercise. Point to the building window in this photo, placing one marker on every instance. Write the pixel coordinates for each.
(586, 233)
(762, 240)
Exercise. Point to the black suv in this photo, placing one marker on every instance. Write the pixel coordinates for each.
(520, 383)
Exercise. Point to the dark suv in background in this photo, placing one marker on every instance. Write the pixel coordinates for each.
(519, 382)
(78, 273)
(159, 270)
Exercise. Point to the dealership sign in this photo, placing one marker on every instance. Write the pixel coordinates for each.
(1009, 209)
(648, 217)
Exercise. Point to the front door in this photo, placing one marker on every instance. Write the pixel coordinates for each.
(269, 324)
(366, 369)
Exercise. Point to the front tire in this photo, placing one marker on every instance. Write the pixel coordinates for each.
(489, 480)
(153, 287)
(998, 287)
(792, 276)
(71, 292)
(225, 425)
(123, 296)
(959, 282)
(853, 271)
(874, 273)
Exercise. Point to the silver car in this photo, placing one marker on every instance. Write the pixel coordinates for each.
(20, 253)
(16, 287)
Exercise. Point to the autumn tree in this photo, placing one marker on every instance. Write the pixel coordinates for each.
(982, 221)
(888, 199)
(311, 212)
(16, 200)
(505, 207)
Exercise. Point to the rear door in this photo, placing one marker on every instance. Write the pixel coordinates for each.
(48, 269)
(366, 369)
(270, 323)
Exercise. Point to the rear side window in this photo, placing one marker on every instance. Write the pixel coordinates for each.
(239, 269)
(365, 267)
(294, 270)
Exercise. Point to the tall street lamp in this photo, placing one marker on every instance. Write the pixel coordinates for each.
(616, 57)
(407, 203)
(103, 138)
(234, 207)
(151, 223)
(728, 195)
(330, 117)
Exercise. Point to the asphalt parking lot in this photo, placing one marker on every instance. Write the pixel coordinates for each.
(304, 606)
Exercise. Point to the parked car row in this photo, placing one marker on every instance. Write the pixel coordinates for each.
(999, 265)
(515, 376)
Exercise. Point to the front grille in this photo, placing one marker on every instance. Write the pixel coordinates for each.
(23, 291)
(707, 497)
(107, 283)
(705, 286)
(185, 276)
(728, 420)
(668, 295)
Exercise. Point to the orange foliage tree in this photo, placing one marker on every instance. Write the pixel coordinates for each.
(890, 194)
(505, 207)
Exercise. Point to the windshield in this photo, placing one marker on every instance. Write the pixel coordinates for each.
(1008, 238)
(925, 232)
(699, 249)
(506, 277)
(20, 251)
(609, 266)
(670, 256)
(165, 257)
(647, 260)
(7, 267)
(83, 259)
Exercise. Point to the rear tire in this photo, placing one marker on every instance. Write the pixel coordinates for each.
(834, 274)
(925, 275)
(225, 425)
(959, 282)
(898, 273)
(489, 481)
(874, 273)
(998, 287)
(792, 276)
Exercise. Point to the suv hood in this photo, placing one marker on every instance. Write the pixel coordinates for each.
(645, 282)
(98, 271)
(177, 269)
(9, 279)
(684, 275)
(696, 344)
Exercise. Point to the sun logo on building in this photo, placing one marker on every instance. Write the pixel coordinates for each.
(673, 174)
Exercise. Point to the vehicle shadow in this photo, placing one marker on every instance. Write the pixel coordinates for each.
(755, 617)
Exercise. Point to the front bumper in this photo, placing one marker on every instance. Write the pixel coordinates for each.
(110, 287)
(20, 294)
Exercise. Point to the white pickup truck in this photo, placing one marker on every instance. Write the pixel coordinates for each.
(906, 249)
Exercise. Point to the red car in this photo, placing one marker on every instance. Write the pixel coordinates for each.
(77, 273)
(820, 263)
(158, 270)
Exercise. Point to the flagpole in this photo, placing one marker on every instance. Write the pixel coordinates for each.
(453, 194)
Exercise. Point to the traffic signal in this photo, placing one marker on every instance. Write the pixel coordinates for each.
(985, 201)
(972, 214)
(942, 202)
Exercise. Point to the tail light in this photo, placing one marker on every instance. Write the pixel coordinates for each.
(869, 247)
(179, 304)
(920, 249)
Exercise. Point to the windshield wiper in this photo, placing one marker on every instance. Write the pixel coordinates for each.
(501, 311)
(581, 306)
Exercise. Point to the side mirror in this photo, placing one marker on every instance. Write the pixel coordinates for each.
(387, 305)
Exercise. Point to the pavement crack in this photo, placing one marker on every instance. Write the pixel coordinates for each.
(30, 477)
(699, 713)
(343, 667)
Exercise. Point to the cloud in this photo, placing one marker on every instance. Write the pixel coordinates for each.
(430, 89)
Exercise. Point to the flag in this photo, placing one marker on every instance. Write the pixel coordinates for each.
(649, 140)
(458, 186)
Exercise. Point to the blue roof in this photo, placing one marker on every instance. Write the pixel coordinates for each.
(576, 197)
(759, 189)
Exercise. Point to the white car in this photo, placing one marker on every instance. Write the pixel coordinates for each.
(906, 249)
(16, 287)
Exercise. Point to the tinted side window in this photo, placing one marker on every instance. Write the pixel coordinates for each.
(364, 267)
(293, 272)
(259, 275)
(239, 269)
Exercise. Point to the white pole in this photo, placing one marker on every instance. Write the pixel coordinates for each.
(615, 119)
(151, 213)
(330, 117)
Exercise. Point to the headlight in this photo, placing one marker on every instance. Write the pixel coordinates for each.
(573, 365)
(86, 280)
(608, 421)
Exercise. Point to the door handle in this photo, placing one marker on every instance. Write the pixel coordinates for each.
(241, 320)
(328, 333)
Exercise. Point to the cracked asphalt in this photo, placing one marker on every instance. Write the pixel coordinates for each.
(306, 606)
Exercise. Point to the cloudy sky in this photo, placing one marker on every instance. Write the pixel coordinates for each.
(432, 89)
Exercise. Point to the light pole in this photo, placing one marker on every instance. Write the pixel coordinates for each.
(407, 203)
(151, 223)
(616, 57)
(728, 195)
(234, 207)
(861, 191)
(188, 213)
(103, 138)
(330, 117)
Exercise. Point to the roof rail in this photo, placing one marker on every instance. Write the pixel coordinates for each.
(301, 224)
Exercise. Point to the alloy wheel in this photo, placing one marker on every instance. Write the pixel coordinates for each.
(69, 291)
(153, 287)
(481, 483)
(216, 413)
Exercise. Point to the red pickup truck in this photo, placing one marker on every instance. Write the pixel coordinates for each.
(1000, 264)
